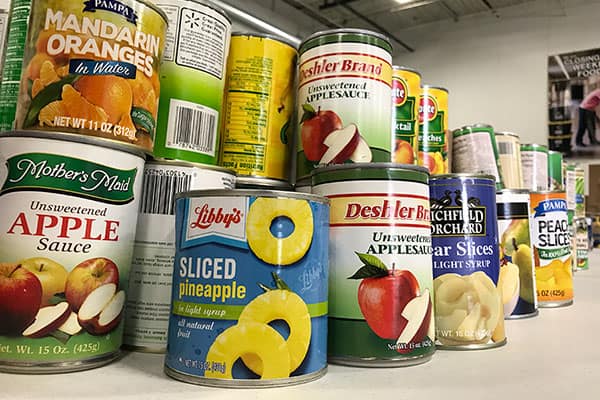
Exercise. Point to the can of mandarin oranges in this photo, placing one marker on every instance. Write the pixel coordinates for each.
(89, 68)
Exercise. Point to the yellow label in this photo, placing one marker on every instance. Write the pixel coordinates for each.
(406, 91)
(433, 130)
(259, 107)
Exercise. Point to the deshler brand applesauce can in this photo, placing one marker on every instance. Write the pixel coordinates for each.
(249, 288)
(259, 106)
(406, 91)
(469, 313)
(509, 159)
(516, 281)
(84, 67)
(69, 209)
(149, 295)
(434, 137)
(474, 151)
(193, 81)
(534, 158)
(344, 92)
(380, 287)
(552, 249)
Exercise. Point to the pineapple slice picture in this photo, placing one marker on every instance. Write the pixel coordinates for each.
(273, 249)
(248, 338)
(280, 304)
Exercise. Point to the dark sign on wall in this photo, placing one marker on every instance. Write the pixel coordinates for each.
(574, 103)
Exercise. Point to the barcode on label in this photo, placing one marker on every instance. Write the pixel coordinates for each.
(159, 190)
(192, 127)
(506, 148)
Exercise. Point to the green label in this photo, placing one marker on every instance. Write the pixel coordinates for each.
(554, 253)
(229, 312)
(72, 176)
(432, 136)
(144, 119)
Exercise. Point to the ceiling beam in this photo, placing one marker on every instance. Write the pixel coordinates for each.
(317, 16)
(333, 3)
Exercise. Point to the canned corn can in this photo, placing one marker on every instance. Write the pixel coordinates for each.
(381, 310)
(406, 90)
(516, 281)
(249, 288)
(555, 170)
(259, 106)
(552, 249)
(434, 137)
(193, 81)
(474, 151)
(509, 159)
(69, 210)
(89, 68)
(151, 275)
(344, 92)
(469, 312)
(534, 158)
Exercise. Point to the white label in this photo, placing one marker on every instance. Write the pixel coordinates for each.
(223, 217)
(535, 170)
(192, 127)
(172, 13)
(474, 154)
(570, 188)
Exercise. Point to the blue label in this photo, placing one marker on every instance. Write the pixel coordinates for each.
(102, 67)
(550, 205)
(113, 6)
(232, 300)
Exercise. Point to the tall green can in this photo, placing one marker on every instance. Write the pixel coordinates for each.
(192, 81)
(555, 170)
(579, 192)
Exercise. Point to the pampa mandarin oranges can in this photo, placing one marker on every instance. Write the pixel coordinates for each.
(88, 67)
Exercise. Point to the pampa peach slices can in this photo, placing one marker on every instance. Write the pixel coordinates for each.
(69, 211)
(249, 295)
(85, 67)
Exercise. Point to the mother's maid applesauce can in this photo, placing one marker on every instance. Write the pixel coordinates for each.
(249, 288)
(552, 249)
(468, 306)
(344, 99)
(381, 303)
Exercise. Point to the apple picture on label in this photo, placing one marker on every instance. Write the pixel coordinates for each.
(325, 140)
(392, 304)
(51, 274)
(87, 276)
(20, 298)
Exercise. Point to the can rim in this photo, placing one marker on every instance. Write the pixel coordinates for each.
(513, 191)
(507, 133)
(346, 30)
(251, 192)
(535, 146)
(464, 175)
(183, 163)
(265, 36)
(403, 68)
(428, 86)
(78, 138)
(371, 165)
(547, 191)
(276, 184)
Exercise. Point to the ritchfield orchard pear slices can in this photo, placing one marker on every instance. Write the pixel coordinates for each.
(509, 159)
(474, 151)
(434, 136)
(344, 99)
(258, 131)
(406, 91)
(583, 243)
(552, 249)
(534, 159)
(149, 295)
(249, 300)
(84, 67)
(69, 211)
(469, 313)
(555, 170)
(192, 80)
(380, 286)
(517, 271)
(579, 192)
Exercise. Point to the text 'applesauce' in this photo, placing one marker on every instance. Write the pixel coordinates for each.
(249, 298)
(469, 312)
(69, 210)
(552, 248)
(380, 287)
(84, 67)
(344, 99)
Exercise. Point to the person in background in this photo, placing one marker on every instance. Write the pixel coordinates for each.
(588, 118)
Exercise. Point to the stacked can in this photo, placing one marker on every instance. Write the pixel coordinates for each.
(570, 183)
(509, 159)
(582, 243)
(434, 141)
(406, 91)
(555, 170)
(259, 109)
(474, 151)
(534, 158)
(71, 175)
(344, 99)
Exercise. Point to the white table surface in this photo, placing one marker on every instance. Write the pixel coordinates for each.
(555, 355)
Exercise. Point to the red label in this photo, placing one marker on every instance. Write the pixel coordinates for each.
(427, 109)
(207, 216)
(399, 91)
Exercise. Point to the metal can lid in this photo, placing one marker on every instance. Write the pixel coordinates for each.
(252, 192)
(181, 163)
(506, 133)
(512, 191)
(356, 32)
(464, 175)
(262, 183)
(427, 86)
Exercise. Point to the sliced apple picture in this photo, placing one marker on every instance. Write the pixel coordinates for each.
(86, 277)
(102, 309)
(47, 320)
(417, 314)
(340, 143)
(362, 153)
(71, 325)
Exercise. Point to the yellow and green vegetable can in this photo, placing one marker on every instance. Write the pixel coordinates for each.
(85, 67)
